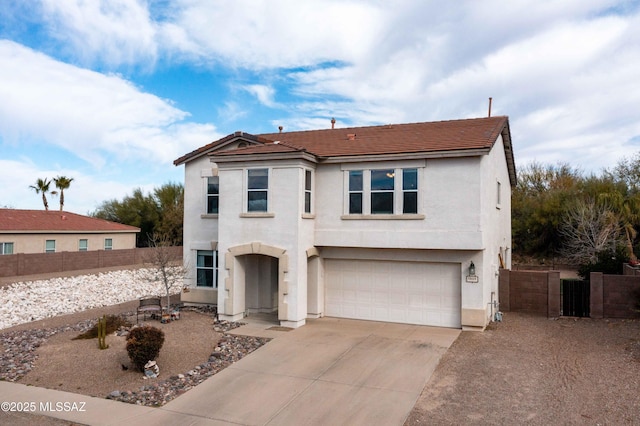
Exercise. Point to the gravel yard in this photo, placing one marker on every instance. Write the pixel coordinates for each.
(27, 301)
(538, 371)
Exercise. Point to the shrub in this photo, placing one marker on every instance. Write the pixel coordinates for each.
(143, 345)
(114, 322)
(609, 262)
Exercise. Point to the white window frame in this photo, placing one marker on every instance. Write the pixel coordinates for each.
(247, 190)
(110, 245)
(308, 191)
(86, 244)
(398, 192)
(211, 195)
(50, 246)
(6, 248)
(213, 268)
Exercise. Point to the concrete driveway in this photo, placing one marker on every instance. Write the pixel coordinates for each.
(329, 372)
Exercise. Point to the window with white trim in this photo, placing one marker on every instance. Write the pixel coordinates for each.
(83, 245)
(382, 187)
(6, 248)
(307, 191)
(207, 268)
(108, 244)
(50, 246)
(388, 191)
(355, 191)
(257, 190)
(213, 194)
(409, 191)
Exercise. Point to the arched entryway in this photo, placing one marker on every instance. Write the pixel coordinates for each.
(256, 281)
(261, 283)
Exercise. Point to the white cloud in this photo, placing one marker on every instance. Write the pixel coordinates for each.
(113, 32)
(87, 113)
(264, 94)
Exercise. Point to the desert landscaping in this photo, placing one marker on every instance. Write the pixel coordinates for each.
(523, 370)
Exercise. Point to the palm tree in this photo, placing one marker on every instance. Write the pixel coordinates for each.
(62, 183)
(42, 186)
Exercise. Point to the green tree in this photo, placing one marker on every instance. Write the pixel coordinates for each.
(42, 187)
(161, 211)
(169, 199)
(540, 199)
(62, 183)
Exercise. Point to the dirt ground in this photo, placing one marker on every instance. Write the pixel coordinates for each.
(538, 371)
(524, 370)
(78, 366)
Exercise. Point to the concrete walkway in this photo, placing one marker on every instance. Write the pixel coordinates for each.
(329, 372)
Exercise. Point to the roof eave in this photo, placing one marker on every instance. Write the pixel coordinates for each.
(238, 158)
(218, 144)
(406, 155)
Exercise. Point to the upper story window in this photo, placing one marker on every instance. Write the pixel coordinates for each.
(213, 194)
(6, 248)
(307, 191)
(382, 187)
(409, 191)
(83, 245)
(108, 244)
(388, 191)
(498, 194)
(50, 246)
(257, 190)
(355, 191)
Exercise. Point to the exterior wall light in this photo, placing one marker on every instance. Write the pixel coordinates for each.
(472, 277)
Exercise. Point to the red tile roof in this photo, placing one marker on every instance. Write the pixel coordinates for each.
(13, 221)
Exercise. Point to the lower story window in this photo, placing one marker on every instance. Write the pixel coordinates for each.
(108, 244)
(207, 268)
(50, 246)
(6, 248)
(83, 245)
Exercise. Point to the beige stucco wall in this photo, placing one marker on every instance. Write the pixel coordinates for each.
(457, 221)
(35, 243)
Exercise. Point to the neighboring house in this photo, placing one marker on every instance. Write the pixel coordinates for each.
(377, 223)
(42, 231)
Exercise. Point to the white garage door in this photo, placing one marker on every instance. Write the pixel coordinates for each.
(405, 292)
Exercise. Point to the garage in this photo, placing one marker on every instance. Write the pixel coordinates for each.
(392, 291)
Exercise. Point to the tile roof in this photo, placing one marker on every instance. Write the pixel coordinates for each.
(391, 139)
(475, 134)
(13, 220)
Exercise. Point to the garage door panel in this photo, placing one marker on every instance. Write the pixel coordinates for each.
(406, 292)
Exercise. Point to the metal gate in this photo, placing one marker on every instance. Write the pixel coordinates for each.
(575, 296)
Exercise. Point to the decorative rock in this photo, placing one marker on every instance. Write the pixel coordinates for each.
(19, 347)
(66, 295)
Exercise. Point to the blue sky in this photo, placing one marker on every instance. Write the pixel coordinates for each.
(110, 92)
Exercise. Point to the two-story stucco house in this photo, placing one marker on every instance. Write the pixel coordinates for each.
(405, 223)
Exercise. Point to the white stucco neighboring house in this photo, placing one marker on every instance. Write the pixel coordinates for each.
(405, 223)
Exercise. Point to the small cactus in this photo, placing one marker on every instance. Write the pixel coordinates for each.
(102, 333)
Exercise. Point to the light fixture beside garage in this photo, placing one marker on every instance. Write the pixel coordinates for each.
(472, 277)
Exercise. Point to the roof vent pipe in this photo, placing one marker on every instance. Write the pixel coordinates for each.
(490, 99)
(280, 128)
(333, 123)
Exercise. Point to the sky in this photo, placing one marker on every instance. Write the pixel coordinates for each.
(110, 92)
